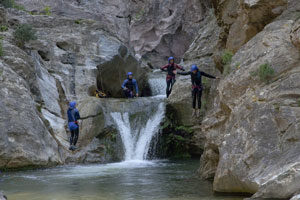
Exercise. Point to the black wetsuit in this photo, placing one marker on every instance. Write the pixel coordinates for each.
(170, 68)
(197, 85)
(131, 85)
(73, 117)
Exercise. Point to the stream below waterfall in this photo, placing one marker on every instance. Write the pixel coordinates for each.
(136, 180)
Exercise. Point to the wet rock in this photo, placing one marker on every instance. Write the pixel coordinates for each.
(296, 197)
(2, 196)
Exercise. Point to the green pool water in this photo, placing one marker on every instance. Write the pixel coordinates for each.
(161, 180)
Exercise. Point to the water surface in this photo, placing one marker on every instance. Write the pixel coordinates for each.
(159, 180)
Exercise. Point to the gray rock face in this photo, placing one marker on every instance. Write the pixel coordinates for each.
(251, 139)
(62, 65)
(24, 139)
(162, 29)
(241, 20)
(153, 29)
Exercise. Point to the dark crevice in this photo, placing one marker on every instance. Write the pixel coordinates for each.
(63, 45)
(44, 55)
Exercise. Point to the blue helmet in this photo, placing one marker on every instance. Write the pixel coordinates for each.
(194, 67)
(72, 104)
(170, 58)
(129, 73)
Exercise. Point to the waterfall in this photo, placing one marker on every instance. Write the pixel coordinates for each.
(136, 137)
(157, 82)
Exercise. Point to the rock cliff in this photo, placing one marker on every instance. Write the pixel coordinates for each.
(249, 129)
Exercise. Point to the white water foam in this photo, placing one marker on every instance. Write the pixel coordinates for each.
(137, 141)
(157, 82)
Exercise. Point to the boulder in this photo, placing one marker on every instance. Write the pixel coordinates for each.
(113, 71)
(180, 101)
(255, 133)
(25, 141)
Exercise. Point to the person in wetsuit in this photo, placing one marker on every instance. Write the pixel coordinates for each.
(196, 78)
(73, 117)
(129, 85)
(171, 73)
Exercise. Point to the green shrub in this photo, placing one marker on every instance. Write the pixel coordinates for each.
(19, 7)
(47, 10)
(23, 34)
(237, 65)
(227, 57)
(39, 108)
(265, 72)
(226, 61)
(11, 4)
(140, 14)
(3, 28)
(298, 102)
(1, 48)
(78, 21)
(7, 3)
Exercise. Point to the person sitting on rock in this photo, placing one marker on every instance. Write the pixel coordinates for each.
(196, 78)
(171, 73)
(129, 85)
(73, 117)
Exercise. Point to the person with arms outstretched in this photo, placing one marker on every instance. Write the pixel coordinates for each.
(171, 74)
(73, 117)
(129, 85)
(196, 78)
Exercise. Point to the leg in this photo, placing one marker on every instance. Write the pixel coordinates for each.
(71, 140)
(127, 94)
(168, 87)
(199, 98)
(199, 95)
(194, 96)
(76, 136)
(172, 83)
(72, 137)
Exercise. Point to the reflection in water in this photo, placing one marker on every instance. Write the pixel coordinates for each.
(163, 180)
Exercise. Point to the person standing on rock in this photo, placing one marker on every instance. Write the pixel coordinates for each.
(129, 85)
(73, 117)
(171, 73)
(196, 78)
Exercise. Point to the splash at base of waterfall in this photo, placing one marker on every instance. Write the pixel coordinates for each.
(136, 134)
